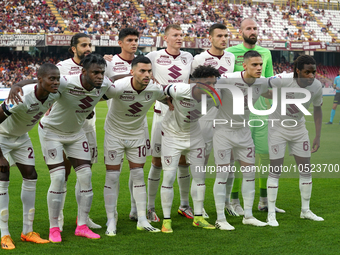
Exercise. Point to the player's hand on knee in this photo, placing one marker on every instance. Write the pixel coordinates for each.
(4, 166)
(15, 94)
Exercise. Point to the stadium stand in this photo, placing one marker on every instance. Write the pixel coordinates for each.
(27, 17)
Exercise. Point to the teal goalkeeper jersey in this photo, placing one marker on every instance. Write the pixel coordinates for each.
(267, 71)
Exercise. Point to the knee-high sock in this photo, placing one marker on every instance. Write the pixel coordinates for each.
(55, 194)
(132, 198)
(230, 182)
(264, 161)
(110, 192)
(167, 192)
(84, 175)
(198, 181)
(78, 195)
(219, 193)
(183, 179)
(248, 191)
(28, 201)
(272, 190)
(139, 192)
(237, 182)
(4, 201)
(332, 115)
(305, 183)
(64, 192)
(153, 183)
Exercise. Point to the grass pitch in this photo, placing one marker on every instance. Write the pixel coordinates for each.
(293, 236)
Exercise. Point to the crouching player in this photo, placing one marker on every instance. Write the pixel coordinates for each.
(181, 134)
(294, 133)
(16, 120)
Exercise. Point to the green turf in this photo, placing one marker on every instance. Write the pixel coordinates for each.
(293, 236)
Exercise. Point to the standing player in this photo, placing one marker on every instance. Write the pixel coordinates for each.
(117, 67)
(249, 32)
(62, 131)
(182, 135)
(294, 133)
(336, 101)
(124, 132)
(224, 62)
(170, 65)
(235, 135)
(16, 120)
(80, 47)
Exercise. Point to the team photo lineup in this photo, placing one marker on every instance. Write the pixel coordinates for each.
(206, 113)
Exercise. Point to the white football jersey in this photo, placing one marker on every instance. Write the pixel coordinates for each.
(69, 67)
(224, 63)
(23, 116)
(69, 112)
(182, 122)
(168, 69)
(129, 108)
(226, 110)
(117, 66)
(286, 80)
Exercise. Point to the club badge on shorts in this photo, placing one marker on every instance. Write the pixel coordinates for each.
(168, 160)
(112, 154)
(52, 153)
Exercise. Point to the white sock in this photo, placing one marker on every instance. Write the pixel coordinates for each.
(78, 195)
(4, 201)
(110, 195)
(167, 192)
(219, 194)
(132, 199)
(272, 189)
(248, 191)
(61, 213)
(28, 201)
(305, 184)
(153, 183)
(84, 175)
(199, 178)
(55, 194)
(139, 192)
(229, 187)
(183, 178)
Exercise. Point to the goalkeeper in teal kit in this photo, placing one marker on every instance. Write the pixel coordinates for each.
(249, 32)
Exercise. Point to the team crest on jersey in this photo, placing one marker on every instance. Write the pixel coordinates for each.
(228, 60)
(221, 153)
(112, 154)
(148, 96)
(257, 90)
(168, 160)
(184, 60)
(97, 92)
(275, 149)
(52, 153)
(158, 147)
(34, 108)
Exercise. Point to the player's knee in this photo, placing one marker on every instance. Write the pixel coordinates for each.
(57, 178)
(137, 174)
(4, 176)
(30, 173)
(113, 176)
(248, 171)
(169, 177)
(84, 175)
(157, 161)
